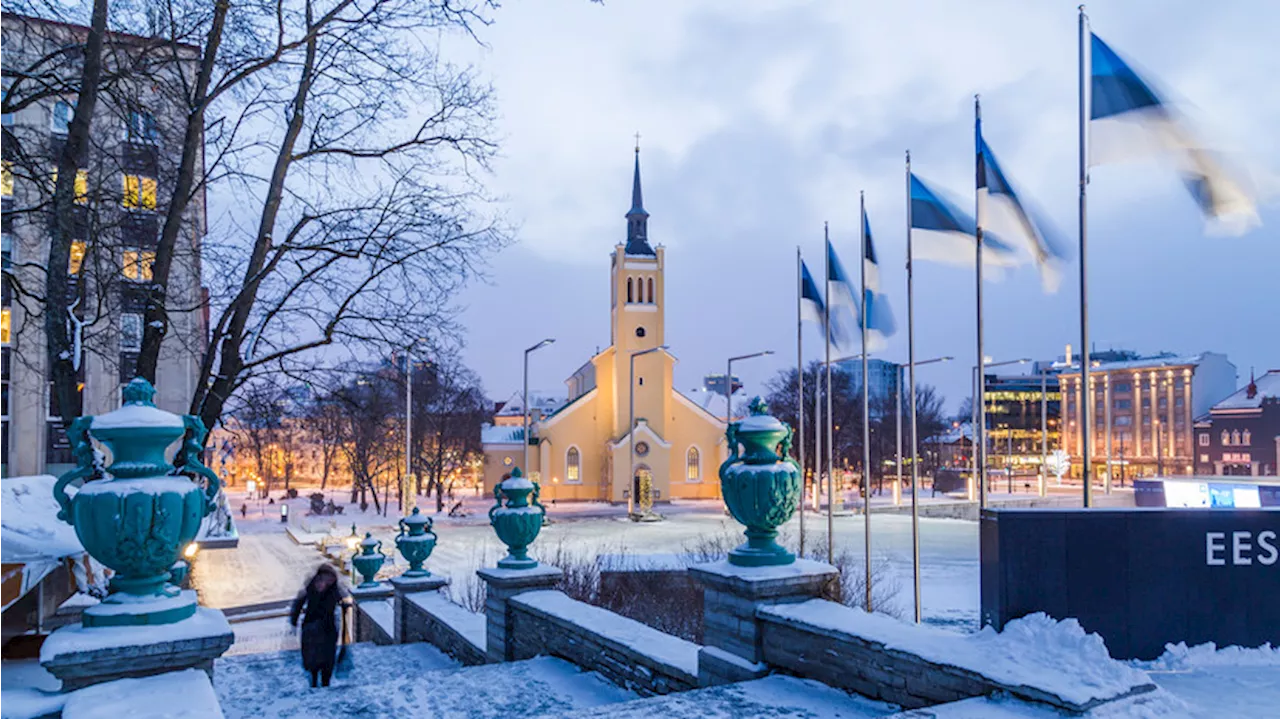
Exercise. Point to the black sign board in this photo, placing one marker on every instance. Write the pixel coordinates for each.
(1142, 578)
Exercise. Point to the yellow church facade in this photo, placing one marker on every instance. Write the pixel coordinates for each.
(583, 450)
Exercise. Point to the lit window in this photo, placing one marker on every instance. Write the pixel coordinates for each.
(1204, 459)
(1235, 437)
(1204, 439)
(142, 128)
(81, 186)
(60, 121)
(693, 467)
(4, 326)
(137, 264)
(130, 332)
(1245, 438)
(1226, 438)
(6, 179)
(573, 466)
(139, 192)
(77, 258)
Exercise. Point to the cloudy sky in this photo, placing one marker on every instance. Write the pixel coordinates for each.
(760, 120)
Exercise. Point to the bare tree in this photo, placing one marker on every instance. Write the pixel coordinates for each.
(368, 432)
(257, 423)
(449, 407)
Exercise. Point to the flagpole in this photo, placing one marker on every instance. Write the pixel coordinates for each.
(980, 433)
(866, 404)
(911, 365)
(800, 386)
(1085, 430)
(831, 495)
(817, 429)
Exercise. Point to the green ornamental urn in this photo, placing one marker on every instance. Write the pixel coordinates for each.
(134, 512)
(761, 486)
(369, 560)
(416, 541)
(519, 522)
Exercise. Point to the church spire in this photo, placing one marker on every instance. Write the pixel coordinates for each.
(637, 218)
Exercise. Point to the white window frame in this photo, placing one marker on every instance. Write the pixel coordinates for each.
(692, 448)
(567, 480)
(1204, 439)
(53, 117)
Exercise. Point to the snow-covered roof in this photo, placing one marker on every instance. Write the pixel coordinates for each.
(1267, 386)
(952, 435)
(502, 434)
(546, 402)
(1142, 363)
(31, 535)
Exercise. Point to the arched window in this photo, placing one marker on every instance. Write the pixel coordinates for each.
(630, 297)
(573, 466)
(1226, 438)
(650, 290)
(640, 290)
(693, 466)
(1245, 437)
(1235, 437)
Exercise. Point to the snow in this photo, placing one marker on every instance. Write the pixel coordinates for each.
(1268, 386)
(774, 696)
(798, 568)
(30, 703)
(143, 485)
(1057, 657)
(77, 638)
(760, 423)
(136, 415)
(643, 639)
(176, 695)
(29, 520)
(1228, 682)
(470, 625)
(382, 613)
(642, 562)
(517, 483)
(1180, 657)
(542, 570)
(519, 510)
(121, 603)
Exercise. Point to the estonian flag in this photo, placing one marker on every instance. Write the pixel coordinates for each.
(876, 313)
(941, 232)
(1005, 214)
(1128, 120)
(843, 307)
(811, 305)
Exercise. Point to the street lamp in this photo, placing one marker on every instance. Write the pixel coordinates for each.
(902, 381)
(979, 426)
(408, 416)
(728, 382)
(353, 541)
(524, 398)
(631, 426)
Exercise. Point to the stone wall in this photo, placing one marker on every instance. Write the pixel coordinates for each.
(430, 617)
(374, 622)
(626, 652)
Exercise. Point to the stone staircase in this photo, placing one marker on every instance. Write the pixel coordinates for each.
(417, 680)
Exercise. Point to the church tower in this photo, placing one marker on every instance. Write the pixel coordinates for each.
(638, 317)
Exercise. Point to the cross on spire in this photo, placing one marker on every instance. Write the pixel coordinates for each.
(637, 142)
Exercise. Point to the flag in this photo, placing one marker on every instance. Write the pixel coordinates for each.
(1128, 120)
(843, 307)
(876, 312)
(942, 232)
(811, 305)
(1007, 217)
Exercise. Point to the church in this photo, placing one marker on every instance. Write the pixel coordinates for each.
(582, 449)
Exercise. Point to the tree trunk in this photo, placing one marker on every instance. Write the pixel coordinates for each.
(156, 323)
(61, 354)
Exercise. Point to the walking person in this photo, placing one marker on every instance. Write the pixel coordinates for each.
(317, 603)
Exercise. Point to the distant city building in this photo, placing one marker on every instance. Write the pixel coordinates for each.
(135, 145)
(716, 383)
(883, 377)
(1151, 404)
(1014, 407)
(1240, 435)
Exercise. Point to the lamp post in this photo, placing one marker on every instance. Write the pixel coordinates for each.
(979, 433)
(524, 399)
(631, 426)
(728, 383)
(353, 543)
(915, 477)
(902, 381)
(408, 418)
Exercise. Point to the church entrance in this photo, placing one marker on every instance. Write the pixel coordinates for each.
(642, 488)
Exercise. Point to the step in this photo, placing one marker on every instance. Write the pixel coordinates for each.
(773, 696)
(403, 680)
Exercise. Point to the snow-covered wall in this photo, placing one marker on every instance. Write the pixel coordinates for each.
(430, 617)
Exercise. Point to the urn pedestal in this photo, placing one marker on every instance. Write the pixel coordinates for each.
(519, 521)
(369, 561)
(760, 486)
(416, 541)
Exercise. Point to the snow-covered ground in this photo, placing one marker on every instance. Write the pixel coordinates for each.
(268, 565)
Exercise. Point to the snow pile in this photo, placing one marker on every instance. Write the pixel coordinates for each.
(76, 638)
(135, 415)
(1179, 657)
(1055, 657)
(30, 522)
(30, 703)
(175, 695)
(470, 625)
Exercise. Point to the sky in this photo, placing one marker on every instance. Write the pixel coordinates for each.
(761, 120)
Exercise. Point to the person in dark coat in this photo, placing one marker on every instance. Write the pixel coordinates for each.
(317, 604)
